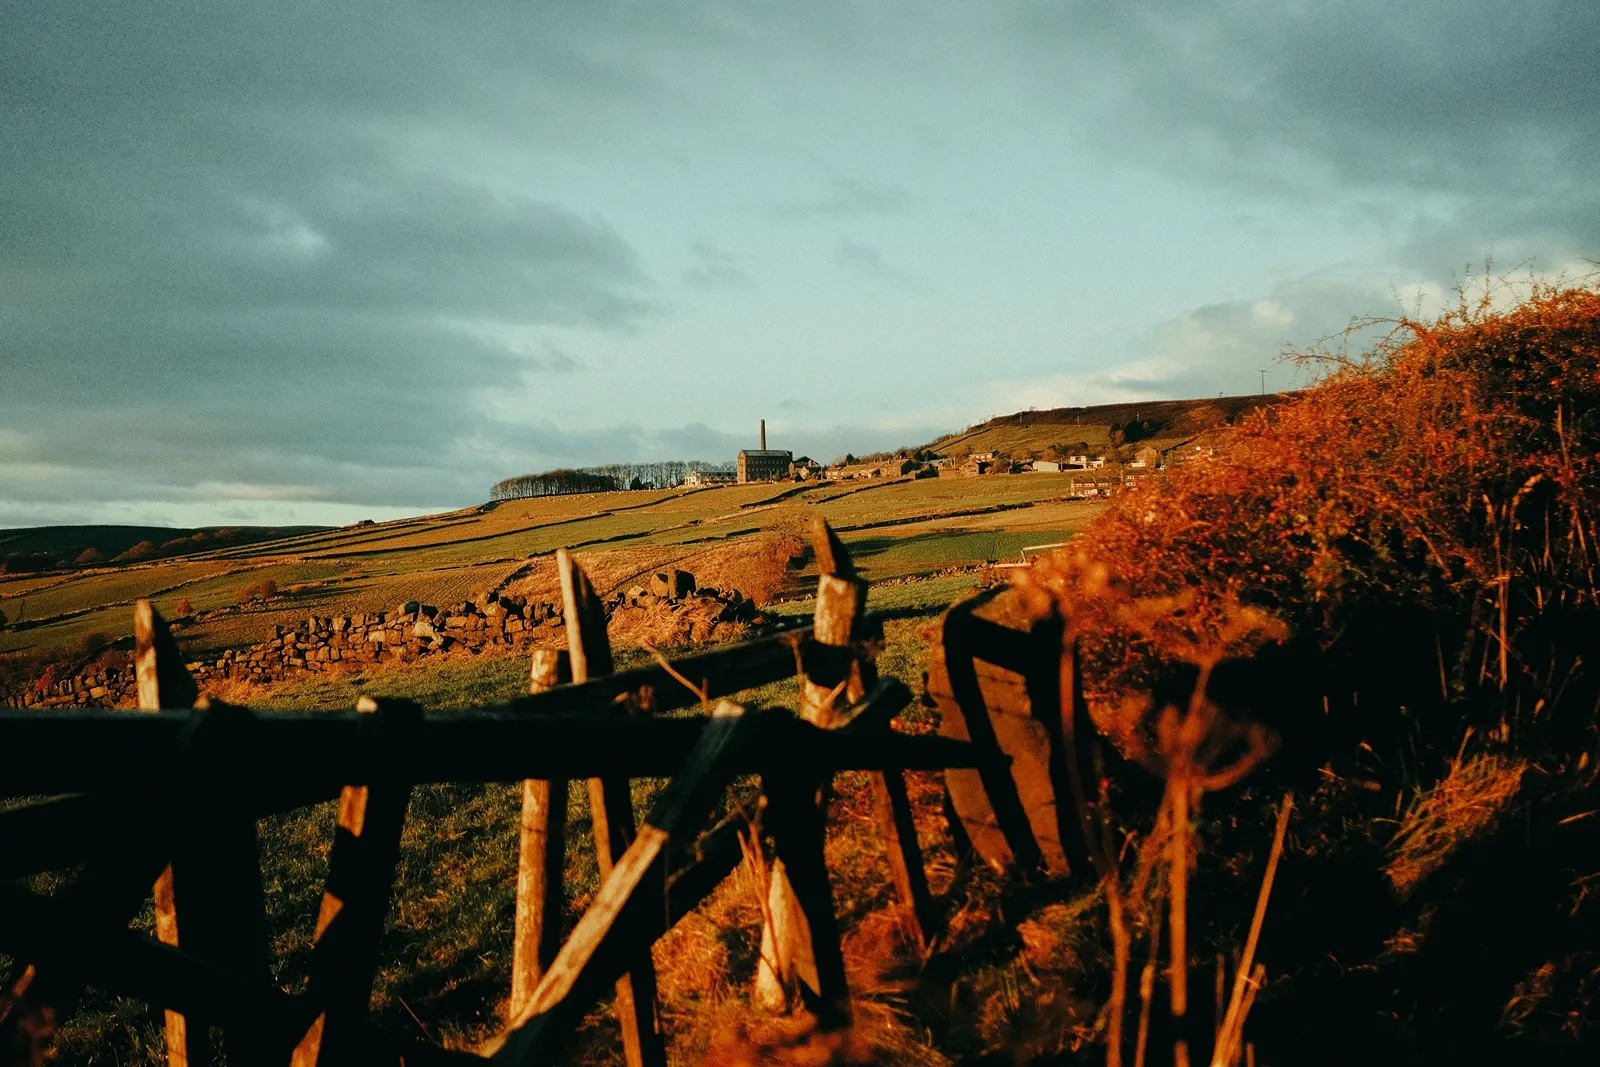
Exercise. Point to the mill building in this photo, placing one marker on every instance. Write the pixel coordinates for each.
(764, 464)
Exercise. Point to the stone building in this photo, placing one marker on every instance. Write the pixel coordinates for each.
(805, 467)
(1148, 458)
(698, 479)
(764, 464)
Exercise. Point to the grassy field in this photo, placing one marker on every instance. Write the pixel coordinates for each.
(898, 528)
(1259, 691)
(444, 971)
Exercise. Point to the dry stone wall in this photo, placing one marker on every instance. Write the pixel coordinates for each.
(413, 631)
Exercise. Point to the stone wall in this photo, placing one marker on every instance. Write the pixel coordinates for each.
(412, 631)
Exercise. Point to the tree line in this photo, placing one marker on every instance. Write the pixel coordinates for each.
(664, 474)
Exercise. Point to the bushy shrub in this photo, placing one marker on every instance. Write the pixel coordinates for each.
(263, 590)
(1395, 571)
(1453, 470)
(142, 550)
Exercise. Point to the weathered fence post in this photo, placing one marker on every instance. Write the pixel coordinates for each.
(611, 813)
(811, 945)
(835, 675)
(164, 682)
(355, 900)
(541, 857)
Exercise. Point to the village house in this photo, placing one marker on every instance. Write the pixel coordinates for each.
(697, 479)
(1147, 458)
(970, 467)
(763, 464)
(805, 468)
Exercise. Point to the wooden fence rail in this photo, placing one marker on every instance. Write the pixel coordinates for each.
(169, 796)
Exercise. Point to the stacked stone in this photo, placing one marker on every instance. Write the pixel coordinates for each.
(101, 688)
(409, 632)
(414, 630)
(696, 610)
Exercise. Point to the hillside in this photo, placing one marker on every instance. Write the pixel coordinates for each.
(1162, 423)
(1401, 781)
(37, 548)
(899, 529)
(732, 537)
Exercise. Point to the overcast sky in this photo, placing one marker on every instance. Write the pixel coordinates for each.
(315, 262)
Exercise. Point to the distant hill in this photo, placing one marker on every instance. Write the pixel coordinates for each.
(37, 548)
(1163, 423)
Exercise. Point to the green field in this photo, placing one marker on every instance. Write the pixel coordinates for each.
(446, 952)
(901, 527)
(898, 528)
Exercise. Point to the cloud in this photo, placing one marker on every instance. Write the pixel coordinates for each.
(333, 257)
(1455, 123)
(847, 198)
(714, 269)
(225, 277)
(1222, 348)
(866, 260)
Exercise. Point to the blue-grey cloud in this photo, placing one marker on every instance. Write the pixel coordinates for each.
(847, 198)
(334, 253)
(865, 260)
(712, 268)
(1458, 123)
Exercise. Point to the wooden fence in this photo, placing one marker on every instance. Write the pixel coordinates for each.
(170, 797)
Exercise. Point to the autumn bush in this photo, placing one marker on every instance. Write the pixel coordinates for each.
(253, 591)
(32, 669)
(142, 550)
(1390, 577)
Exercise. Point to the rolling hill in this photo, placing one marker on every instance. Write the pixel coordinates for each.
(1162, 423)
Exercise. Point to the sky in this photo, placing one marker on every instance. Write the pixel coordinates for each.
(304, 262)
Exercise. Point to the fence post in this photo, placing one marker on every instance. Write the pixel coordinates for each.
(541, 856)
(611, 813)
(834, 676)
(164, 682)
(800, 874)
(637, 901)
(361, 869)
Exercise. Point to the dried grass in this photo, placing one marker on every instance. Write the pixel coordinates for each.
(241, 691)
(1463, 803)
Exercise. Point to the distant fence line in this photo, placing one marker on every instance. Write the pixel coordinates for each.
(662, 475)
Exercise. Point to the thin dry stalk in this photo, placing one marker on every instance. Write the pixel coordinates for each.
(1221, 977)
(1147, 990)
(756, 860)
(1178, 909)
(1239, 1004)
(1095, 823)
(1121, 940)
(1257, 979)
(698, 690)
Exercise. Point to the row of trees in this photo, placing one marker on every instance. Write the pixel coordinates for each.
(604, 479)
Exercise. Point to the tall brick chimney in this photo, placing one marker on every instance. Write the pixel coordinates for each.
(763, 435)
